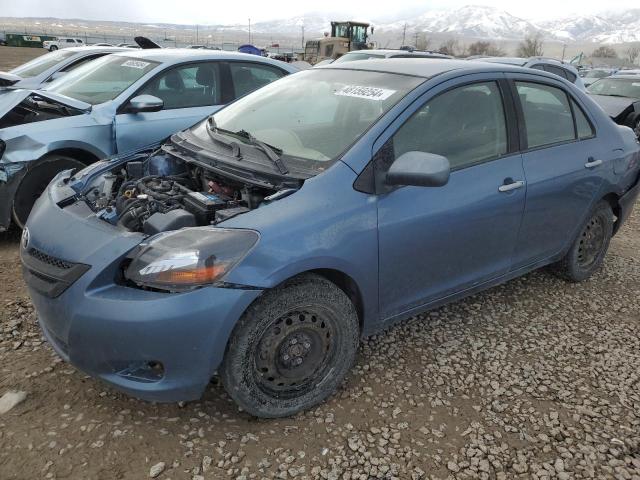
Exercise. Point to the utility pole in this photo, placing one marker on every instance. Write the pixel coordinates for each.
(415, 43)
(404, 34)
(196, 34)
(564, 48)
(249, 30)
(303, 35)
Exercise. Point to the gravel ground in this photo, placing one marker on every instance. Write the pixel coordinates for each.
(11, 57)
(537, 378)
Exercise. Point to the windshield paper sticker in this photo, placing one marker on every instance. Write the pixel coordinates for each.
(135, 64)
(370, 93)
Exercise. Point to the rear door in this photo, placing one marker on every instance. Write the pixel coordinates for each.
(436, 241)
(190, 93)
(563, 163)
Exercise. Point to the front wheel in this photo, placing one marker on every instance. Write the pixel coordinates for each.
(35, 182)
(292, 348)
(590, 247)
(636, 127)
(53, 48)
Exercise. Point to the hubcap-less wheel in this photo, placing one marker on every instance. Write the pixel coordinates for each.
(294, 351)
(592, 240)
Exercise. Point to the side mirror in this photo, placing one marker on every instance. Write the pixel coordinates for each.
(419, 169)
(145, 103)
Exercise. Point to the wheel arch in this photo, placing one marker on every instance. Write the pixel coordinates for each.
(349, 286)
(77, 153)
(614, 202)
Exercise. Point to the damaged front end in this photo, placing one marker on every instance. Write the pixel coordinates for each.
(37, 107)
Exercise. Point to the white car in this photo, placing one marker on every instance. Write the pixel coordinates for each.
(62, 42)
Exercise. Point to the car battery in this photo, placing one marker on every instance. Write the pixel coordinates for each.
(204, 206)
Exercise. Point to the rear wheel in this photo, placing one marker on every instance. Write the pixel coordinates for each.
(590, 247)
(53, 48)
(636, 127)
(292, 348)
(34, 183)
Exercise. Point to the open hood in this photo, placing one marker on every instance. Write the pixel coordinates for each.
(614, 106)
(71, 102)
(145, 43)
(7, 79)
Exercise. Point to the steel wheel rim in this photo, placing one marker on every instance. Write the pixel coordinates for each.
(294, 352)
(591, 243)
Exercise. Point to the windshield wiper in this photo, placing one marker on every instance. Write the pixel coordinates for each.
(267, 149)
(213, 129)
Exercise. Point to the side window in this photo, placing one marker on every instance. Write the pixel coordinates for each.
(466, 125)
(547, 114)
(248, 77)
(570, 75)
(538, 66)
(556, 70)
(81, 62)
(195, 85)
(583, 125)
(78, 40)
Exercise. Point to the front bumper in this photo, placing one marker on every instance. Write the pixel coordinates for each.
(114, 332)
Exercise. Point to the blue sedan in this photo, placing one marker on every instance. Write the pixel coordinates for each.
(265, 241)
(111, 105)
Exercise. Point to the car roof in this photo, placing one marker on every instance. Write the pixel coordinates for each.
(179, 55)
(394, 51)
(505, 60)
(95, 49)
(428, 67)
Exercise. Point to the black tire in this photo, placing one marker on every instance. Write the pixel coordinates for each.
(34, 183)
(53, 48)
(636, 127)
(292, 348)
(588, 250)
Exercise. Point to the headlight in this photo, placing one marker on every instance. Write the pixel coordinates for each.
(189, 258)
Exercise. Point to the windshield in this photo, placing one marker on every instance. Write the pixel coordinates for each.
(40, 64)
(316, 114)
(349, 57)
(619, 87)
(597, 74)
(103, 79)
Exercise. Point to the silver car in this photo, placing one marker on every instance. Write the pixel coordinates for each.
(38, 72)
(113, 105)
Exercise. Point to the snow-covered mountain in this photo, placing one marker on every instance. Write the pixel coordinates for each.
(604, 28)
(471, 21)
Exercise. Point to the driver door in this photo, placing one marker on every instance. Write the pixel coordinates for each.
(189, 92)
(437, 241)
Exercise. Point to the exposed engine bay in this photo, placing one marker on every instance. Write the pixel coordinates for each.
(36, 109)
(164, 193)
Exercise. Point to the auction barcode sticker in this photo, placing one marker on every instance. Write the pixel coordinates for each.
(135, 64)
(370, 93)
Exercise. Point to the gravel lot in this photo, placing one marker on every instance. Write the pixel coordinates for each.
(537, 378)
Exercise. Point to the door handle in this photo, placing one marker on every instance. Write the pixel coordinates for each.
(592, 163)
(511, 186)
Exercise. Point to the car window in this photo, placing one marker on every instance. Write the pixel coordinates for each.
(572, 77)
(547, 114)
(556, 70)
(248, 77)
(583, 125)
(102, 80)
(81, 62)
(538, 66)
(466, 125)
(194, 85)
(69, 40)
(40, 64)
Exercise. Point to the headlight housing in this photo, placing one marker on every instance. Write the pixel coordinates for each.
(189, 258)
